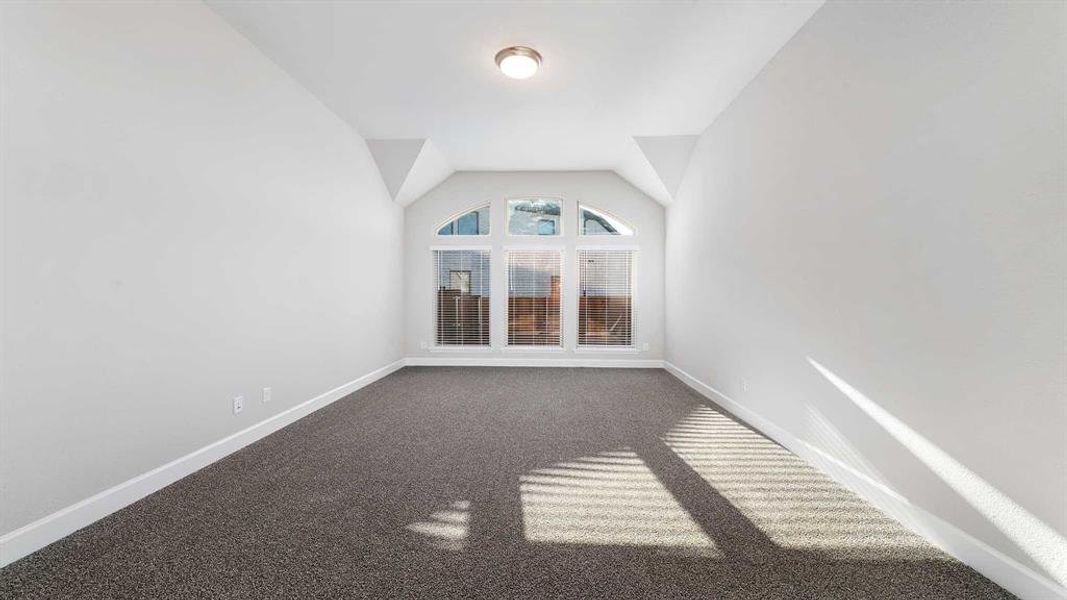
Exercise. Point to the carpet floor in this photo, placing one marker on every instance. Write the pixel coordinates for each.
(493, 483)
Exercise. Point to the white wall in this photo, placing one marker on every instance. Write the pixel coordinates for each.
(887, 199)
(465, 190)
(182, 223)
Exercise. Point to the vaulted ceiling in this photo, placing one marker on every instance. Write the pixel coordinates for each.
(419, 81)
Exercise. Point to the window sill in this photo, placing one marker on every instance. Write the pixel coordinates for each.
(606, 349)
(542, 349)
(460, 348)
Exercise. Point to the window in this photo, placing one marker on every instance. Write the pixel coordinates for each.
(460, 280)
(475, 222)
(596, 222)
(534, 216)
(605, 297)
(461, 303)
(534, 298)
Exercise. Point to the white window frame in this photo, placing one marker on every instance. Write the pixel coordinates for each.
(435, 347)
(634, 304)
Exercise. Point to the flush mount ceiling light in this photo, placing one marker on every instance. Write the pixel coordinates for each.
(518, 62)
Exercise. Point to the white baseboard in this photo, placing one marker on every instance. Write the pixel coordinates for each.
(44, 531)
(496, 361)
(994, 564)
(1007, 572)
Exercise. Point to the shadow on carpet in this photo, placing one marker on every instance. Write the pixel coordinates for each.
(492, 483)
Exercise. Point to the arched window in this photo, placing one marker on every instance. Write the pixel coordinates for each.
(472, 222)
(592, 221)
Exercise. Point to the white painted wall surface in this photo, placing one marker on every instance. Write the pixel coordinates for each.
(872, 236)
(600, 189)
(182, 223)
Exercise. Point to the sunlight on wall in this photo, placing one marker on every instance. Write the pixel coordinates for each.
(448, 528)
(795, 505)
(611, 498)
(1042, 543)
(826, 436)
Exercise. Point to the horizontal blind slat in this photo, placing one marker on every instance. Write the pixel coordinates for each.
(534, 308)
(605, 298)
(462, 297)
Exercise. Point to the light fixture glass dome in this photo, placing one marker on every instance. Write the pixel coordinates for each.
(518, 62)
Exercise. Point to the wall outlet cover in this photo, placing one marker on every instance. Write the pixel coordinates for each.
(238, 404)
(266, 394)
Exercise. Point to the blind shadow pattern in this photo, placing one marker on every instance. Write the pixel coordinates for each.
(503, 483)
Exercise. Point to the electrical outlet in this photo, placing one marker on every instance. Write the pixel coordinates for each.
(645, 346)
(424, 344)
(266, 395)
(238, 404)
(742, 384)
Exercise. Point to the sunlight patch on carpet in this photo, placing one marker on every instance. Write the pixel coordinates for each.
(794, 504)
(446, 529)
(612, 498)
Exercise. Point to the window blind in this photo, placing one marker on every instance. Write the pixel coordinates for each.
(534, 298)
(605, 297)
(461, 303)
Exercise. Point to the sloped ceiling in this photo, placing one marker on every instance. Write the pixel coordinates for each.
(409, 168)
(668, 155)
(613, 71)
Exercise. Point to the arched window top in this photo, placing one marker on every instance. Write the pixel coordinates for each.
(593, 221)
(472, 222)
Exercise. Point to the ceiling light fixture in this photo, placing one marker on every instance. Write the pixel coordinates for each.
(518, 62)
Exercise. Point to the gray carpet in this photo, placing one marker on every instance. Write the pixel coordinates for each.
(490, 483)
